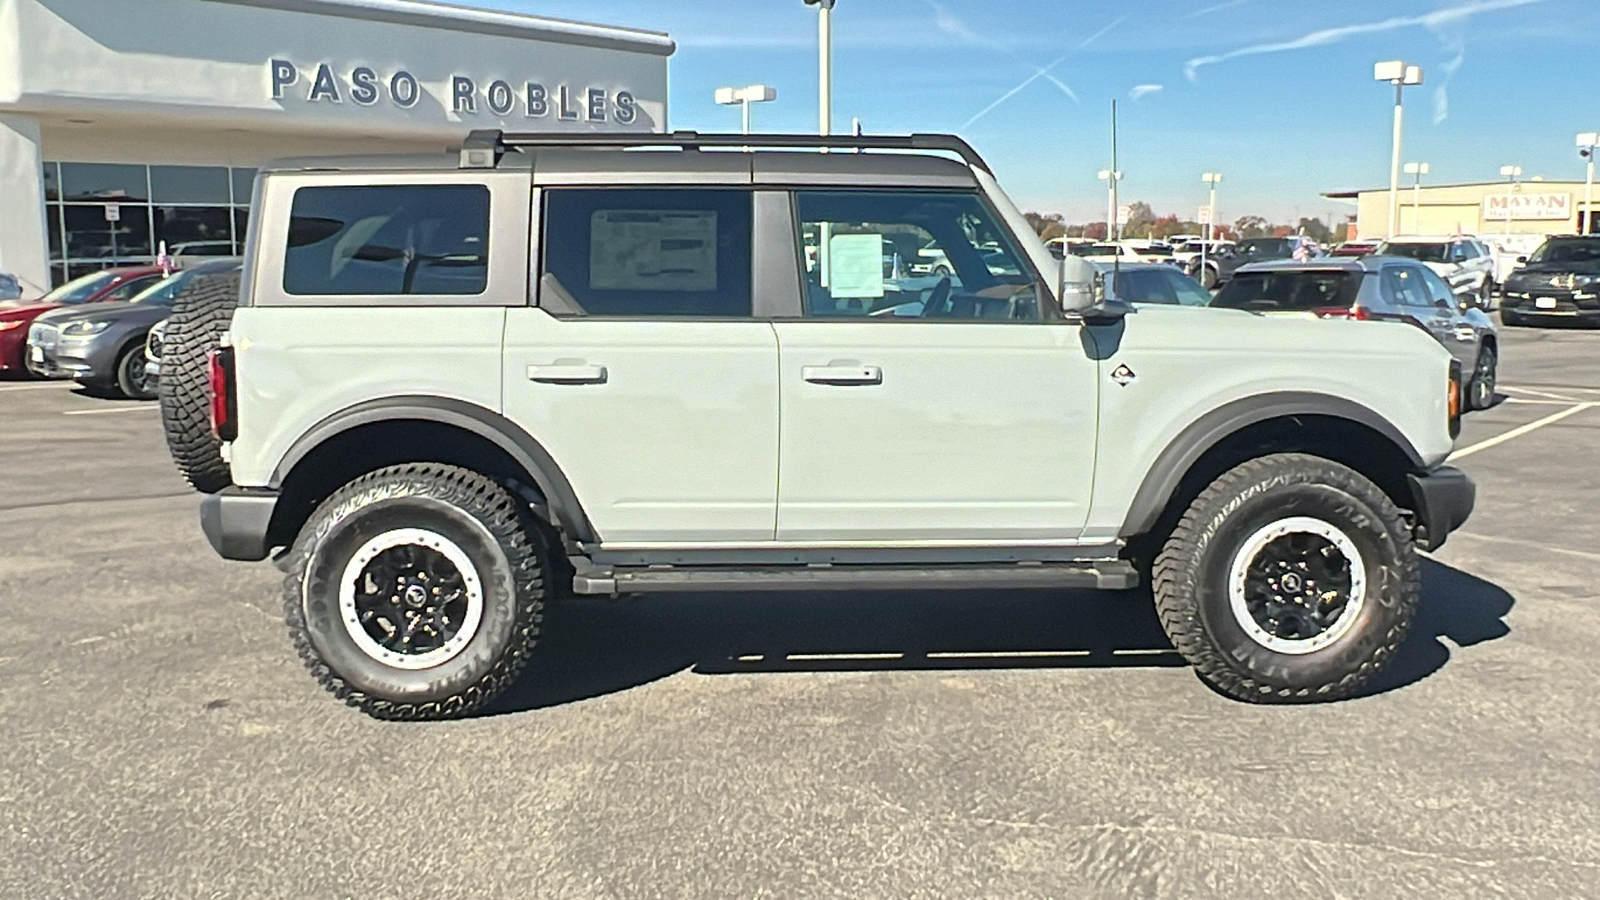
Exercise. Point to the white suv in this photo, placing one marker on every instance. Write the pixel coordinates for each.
(456, 389)
(1464, 262)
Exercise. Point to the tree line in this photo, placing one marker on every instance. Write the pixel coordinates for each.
(1143, 223)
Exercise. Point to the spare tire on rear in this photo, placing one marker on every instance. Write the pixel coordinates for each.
(200, 314)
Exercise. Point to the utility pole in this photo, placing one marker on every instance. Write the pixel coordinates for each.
(824, 64)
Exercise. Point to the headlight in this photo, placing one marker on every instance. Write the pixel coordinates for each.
(82, 329)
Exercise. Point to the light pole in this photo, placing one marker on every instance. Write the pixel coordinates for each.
(1511, 173)
(1211, 179)
(755, 93)
(1419, 170)
(1587, 142)
(1110, 178)
(1401, 75)
(824, 64)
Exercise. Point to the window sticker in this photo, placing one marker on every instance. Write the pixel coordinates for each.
(855, 266)
(653, 250)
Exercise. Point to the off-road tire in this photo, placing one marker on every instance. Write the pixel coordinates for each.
(131, 381)
(200, 314)
(507, 548)
(1192, 572)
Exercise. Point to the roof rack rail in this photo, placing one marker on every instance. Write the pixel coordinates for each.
(483, 147)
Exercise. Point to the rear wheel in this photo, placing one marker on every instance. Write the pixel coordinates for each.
(416, 591)
(1290, 579)
(132, 380)
(200, 314)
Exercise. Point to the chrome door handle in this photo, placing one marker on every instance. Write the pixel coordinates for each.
(567, 373)
(836, 374)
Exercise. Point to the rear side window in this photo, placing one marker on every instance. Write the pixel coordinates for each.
(1299, 291)
(388, 239)
(647, 252)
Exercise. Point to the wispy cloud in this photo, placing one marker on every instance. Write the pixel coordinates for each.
(1216, 8)
(1439, 18)
(1143, 90)
(949, 24)
(1044, 73)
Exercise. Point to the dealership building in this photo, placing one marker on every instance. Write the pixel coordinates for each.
(128, 125)
(1523, 209)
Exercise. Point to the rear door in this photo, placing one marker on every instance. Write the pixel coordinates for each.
(931, 407)
(642, 369)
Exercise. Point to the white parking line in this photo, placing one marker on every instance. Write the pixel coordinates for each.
(829, 657)
(114, 409)
(1546, 394)
(1531, 545)
(37, 387)
(1526, 402)
(1519, 432)
(1007, 654)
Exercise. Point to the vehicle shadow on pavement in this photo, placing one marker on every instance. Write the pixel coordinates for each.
(1455, 605)
(597, 646)
(594, 646)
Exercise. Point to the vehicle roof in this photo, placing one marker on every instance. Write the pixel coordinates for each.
(1109, 265)
(1428, 238)
(1369, 263)
(564, 165)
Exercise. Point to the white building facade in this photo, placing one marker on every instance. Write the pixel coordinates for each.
(125, 125)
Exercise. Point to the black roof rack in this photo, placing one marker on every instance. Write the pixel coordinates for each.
(483, 147)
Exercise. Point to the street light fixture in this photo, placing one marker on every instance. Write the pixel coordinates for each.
(1401, 75)
(1110, 178)
(1587, 142)
(755, 93)
(1418, 169)
(1511, 174)
(824, 64)
(1213, 179)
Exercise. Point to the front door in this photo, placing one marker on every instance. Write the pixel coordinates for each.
(642, 370)
(926, 395)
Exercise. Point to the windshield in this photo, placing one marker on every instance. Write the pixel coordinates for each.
(162, 292)
(1299, 291)
(80, 289)
(1093, 249)
(1416, 250)
(1571, 250)
(1265, 247)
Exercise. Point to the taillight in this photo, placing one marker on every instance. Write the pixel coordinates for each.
(1342, 312)
(1454, 403)
(224, 407)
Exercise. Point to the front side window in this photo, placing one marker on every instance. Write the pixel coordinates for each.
(910, 255)
(1439, 293)
(388, 239)
(1189, 291)
(1403, 285)
(639, 252)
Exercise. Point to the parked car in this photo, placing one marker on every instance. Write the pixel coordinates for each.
(1150, 251)
(152, 351)
(1464, 262)
(1218, 269)
(1376, 287)
(102, 346)
(1152, 283)
(1186, 254)
(1559, 284)
(10, 287)
(106, 286)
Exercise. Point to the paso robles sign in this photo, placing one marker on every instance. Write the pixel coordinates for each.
(1527, 206)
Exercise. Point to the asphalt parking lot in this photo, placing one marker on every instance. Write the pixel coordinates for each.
(161, 739)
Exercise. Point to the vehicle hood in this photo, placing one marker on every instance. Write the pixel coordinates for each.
(24, 312)
(1442, 268)
(136, 313)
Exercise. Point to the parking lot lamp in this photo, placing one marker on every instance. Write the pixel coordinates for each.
(1587, 142)
(1511, 174)
(1419, 170)
(755, 93)
(824, 64)
(1110, 178)
(1212, 179)
(1401, 75)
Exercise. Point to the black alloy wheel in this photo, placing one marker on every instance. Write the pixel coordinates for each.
(132, 379)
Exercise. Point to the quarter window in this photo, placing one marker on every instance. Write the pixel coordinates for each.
(643, 253)
(910, 255)
(430, 239)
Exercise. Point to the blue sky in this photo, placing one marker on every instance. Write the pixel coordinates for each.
(1276, 95)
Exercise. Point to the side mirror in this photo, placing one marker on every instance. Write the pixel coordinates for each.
(1522, 259)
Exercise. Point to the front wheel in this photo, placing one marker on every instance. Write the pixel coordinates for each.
(1291, 578)
(416, 591)
(1480, 391)
(132, 380)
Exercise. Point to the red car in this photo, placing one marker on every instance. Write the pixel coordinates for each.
(96, 287)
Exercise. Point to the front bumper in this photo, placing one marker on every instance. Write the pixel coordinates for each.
(1559, 306)
(68, 359)
(235, 521)
(1443, 500)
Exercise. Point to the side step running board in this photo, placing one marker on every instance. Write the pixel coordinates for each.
(1109, 574)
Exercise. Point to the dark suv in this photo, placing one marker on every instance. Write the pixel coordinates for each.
(1559, 284)
(1218, 269)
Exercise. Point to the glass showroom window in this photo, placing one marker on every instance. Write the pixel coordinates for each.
(115, 214)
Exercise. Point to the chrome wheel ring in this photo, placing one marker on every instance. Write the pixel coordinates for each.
(411, 599)
(1297, 585)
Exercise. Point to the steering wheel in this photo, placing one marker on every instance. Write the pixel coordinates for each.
(937, 298)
